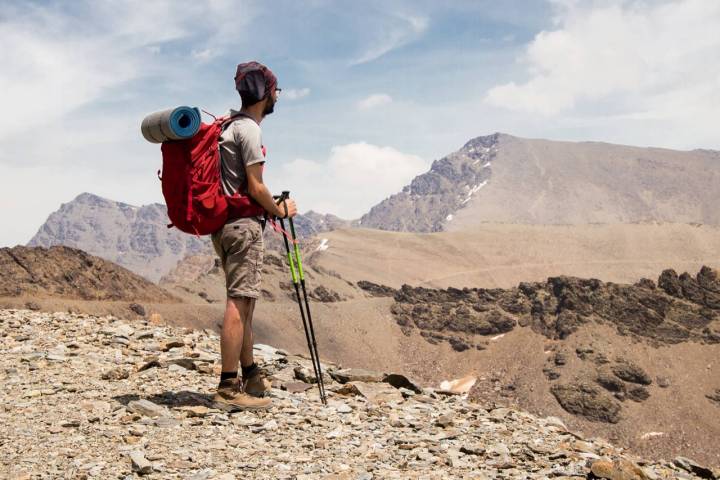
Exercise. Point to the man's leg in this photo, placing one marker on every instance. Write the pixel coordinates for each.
(234, 331)
(237, 312)
(253, 377)
(246, 354)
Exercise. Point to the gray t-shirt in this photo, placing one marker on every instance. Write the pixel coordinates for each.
(240, 146)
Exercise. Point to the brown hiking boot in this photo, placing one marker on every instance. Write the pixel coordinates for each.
(257, 384)
(230, 397)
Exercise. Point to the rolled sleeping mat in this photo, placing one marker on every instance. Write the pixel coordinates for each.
(171, 124)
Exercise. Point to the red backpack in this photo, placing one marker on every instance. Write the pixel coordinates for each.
(192, 187)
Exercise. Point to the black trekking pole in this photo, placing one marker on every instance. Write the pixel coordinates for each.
(309, 331)
(307, 303)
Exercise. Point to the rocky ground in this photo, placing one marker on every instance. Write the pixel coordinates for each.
(67, 272)
(98, 397)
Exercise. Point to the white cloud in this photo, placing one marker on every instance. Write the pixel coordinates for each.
(631, 59)
(402, 30)
(373, 101)
(295, 93)
(204, 55)
(353, 178)
(58, 61)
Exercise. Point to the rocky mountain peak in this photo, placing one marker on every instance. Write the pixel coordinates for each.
(431, 198)
(486, 141)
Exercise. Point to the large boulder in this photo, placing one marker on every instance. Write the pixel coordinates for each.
(588, 401)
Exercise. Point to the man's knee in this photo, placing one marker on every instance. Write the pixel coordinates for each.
(243, 307)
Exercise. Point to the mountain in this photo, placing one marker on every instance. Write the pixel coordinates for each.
(138, 238)
(506, 179)
(135, 237)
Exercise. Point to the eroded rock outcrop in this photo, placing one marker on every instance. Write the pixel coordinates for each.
(682, 309)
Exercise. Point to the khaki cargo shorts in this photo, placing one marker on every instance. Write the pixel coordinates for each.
(239, 244)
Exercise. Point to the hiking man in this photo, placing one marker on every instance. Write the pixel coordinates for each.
(239, 244)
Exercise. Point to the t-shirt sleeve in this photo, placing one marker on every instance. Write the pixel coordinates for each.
(248, 138)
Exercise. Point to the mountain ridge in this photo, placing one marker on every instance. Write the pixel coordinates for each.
(138, 238)
(538, 181)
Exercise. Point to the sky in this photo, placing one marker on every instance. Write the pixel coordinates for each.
(373, 91)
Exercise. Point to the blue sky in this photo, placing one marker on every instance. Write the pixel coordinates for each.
(374, 91)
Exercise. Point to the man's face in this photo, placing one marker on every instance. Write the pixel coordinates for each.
(270, 103)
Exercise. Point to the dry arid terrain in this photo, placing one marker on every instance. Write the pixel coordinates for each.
(356, 324)
(503, 255)
(358, 328)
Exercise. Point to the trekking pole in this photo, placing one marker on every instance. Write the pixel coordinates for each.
(307, 303)
(312, 347)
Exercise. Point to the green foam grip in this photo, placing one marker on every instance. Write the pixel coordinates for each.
(299, 263)
(292, 268)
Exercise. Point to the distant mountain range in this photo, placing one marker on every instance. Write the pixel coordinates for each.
(504, 179)
(491, 179)
(138, 238)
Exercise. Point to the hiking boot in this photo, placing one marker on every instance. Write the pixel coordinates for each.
(230, 397)
(257, 384)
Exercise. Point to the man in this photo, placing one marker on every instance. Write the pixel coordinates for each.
(239, 244)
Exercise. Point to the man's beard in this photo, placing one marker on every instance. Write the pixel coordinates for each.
(269, 107)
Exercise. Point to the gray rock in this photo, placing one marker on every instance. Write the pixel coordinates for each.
(140, 464)
(34, 306)
(444, 421)
(166, 422)
(147, 408)
(117, 373)
(344, 408)
(356, 375)
(186, 363)
(693, 467)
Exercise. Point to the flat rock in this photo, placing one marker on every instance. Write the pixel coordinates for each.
(117, 373)
(147, 408)
(140, 464)
(377, 392)
(296, 387)
(356, 375)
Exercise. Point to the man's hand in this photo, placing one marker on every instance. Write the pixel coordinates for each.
(291, 208)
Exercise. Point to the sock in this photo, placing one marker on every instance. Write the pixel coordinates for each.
(247, 371)
(227, 376)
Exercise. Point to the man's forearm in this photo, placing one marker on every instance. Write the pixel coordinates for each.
(263, 196)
